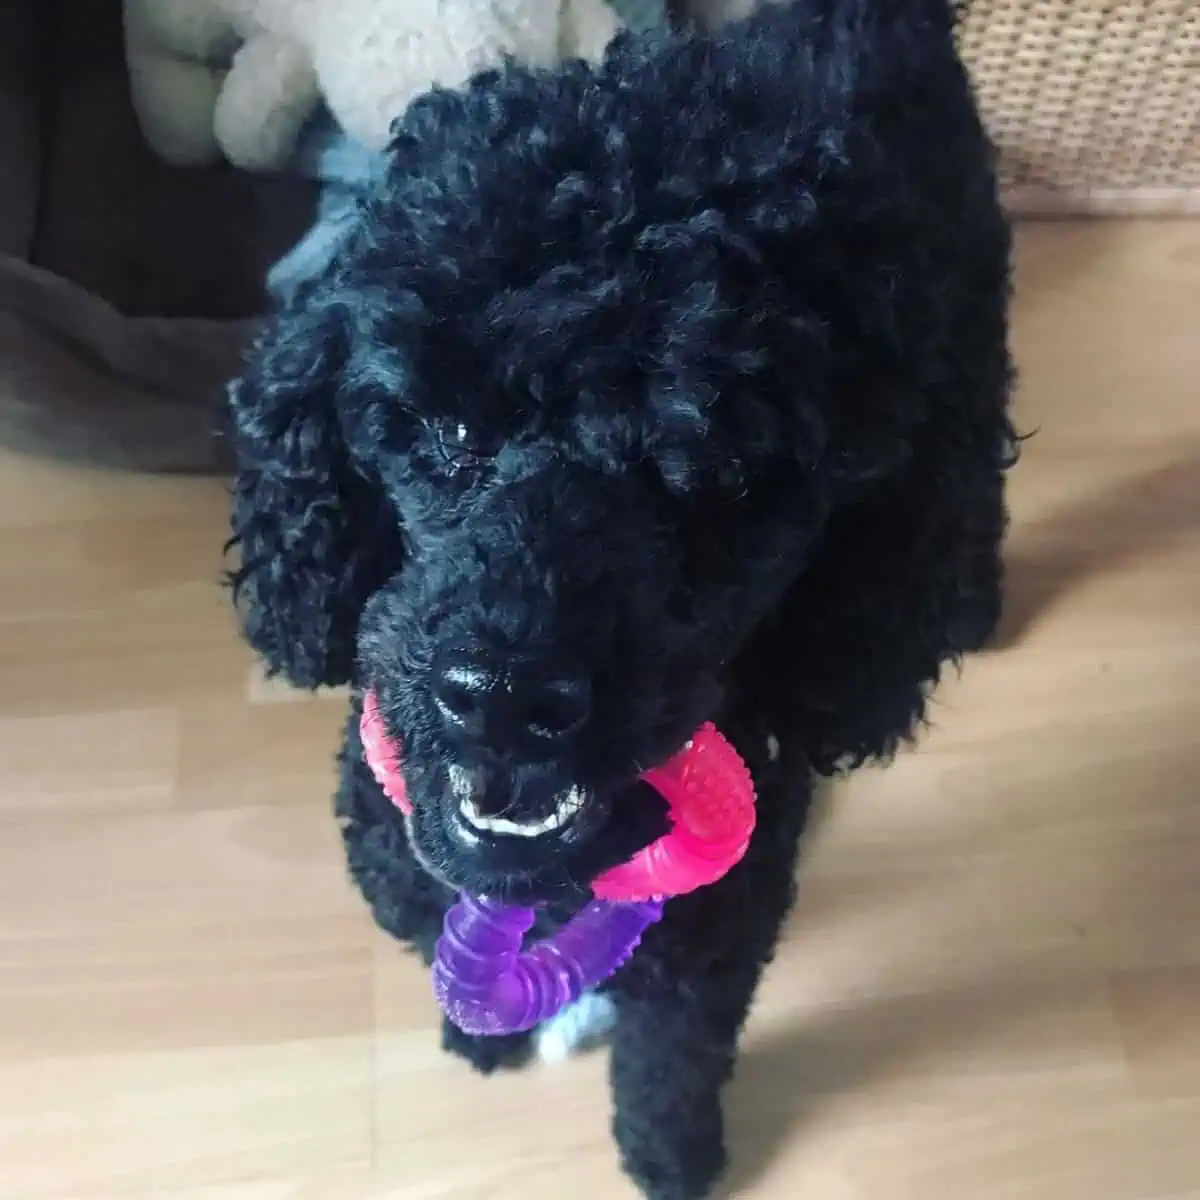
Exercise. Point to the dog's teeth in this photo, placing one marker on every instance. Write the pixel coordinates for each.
(462, 785)
(568, 807)
(569, 804)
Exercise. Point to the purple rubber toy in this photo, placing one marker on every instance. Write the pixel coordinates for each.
(486, 984)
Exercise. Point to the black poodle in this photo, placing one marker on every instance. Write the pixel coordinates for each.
(667, 390)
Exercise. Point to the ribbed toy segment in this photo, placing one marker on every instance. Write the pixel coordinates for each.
(488, 986)
(382, 755)
(711, 803)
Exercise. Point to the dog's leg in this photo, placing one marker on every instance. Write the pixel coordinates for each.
(673, 1053)
(683, 998)
(487, 1054)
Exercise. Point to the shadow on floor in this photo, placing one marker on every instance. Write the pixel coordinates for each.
(898, 1034)
(1141, 515)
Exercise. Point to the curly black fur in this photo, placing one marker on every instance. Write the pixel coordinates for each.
(684, 378)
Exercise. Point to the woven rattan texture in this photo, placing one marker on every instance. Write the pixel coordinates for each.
(1095, 104)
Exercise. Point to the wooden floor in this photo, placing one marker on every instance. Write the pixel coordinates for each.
(991, 989)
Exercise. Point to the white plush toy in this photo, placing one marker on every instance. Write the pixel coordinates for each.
(242, 77)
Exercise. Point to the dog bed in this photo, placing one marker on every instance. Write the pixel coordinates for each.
(127, 288)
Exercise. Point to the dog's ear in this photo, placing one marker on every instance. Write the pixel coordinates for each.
(906, 581)
(307, 524)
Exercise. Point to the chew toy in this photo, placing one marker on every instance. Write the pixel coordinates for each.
(483, 979)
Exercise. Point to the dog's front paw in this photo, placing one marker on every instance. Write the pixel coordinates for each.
(487, 1054)
(672, 1168)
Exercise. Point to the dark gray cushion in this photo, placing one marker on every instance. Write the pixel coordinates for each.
(128, 288)
(20, 166)
(151, 239)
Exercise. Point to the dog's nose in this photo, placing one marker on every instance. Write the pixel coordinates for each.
(514, 701)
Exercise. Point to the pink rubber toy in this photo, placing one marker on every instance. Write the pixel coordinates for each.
(710, 803)
(383, 757)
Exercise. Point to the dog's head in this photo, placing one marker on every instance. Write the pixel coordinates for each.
(532, 461)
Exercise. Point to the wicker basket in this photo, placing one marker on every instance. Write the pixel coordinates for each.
(1095, 104)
